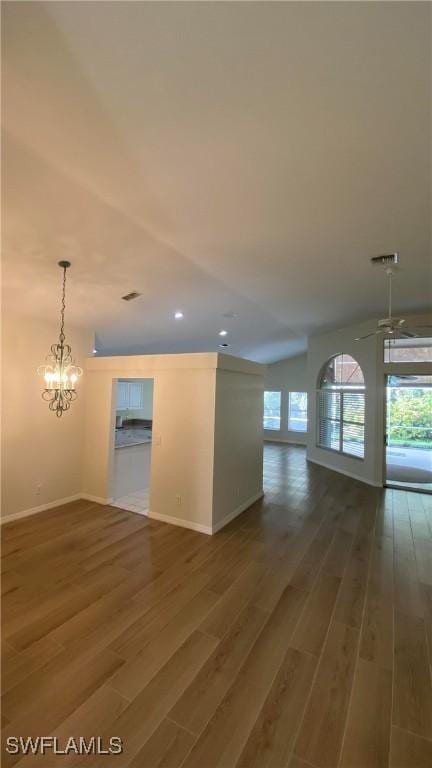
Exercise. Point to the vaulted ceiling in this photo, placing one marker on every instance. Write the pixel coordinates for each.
(215, 157)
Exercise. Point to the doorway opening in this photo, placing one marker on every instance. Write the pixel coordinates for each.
(408, 438)
(130, 480)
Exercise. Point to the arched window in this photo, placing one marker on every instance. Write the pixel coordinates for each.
(341, 406)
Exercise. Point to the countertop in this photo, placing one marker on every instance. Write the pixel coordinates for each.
(128, 436)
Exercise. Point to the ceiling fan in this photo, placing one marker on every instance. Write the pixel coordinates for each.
(393, 327)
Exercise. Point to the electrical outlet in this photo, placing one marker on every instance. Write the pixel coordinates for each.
(178, 501)
(39, 487)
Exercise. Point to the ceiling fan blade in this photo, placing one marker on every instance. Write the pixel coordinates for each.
(374, 333)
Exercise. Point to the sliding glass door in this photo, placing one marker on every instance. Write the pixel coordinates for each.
(408, 450)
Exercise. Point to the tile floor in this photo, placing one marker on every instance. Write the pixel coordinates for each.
(138, 502)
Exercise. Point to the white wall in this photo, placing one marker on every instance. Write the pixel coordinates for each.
(190, 449)
(369, 354)
(183, 446)
(181, 475)
(238, 442)
(38, 449)
(286, 376)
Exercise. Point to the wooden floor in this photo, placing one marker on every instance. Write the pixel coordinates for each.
(298, 636)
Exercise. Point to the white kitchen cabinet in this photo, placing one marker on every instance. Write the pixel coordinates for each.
(135, 394)
(130, 395)
(122, 395)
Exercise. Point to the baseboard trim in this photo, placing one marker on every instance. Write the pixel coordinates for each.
(284, 440)
(237, 511)
(344, 472)
(207, 529)
(41, 508)
(96, 499)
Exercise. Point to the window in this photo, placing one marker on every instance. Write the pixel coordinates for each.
(297, 412)
(341, 406)
(272, 410)
(417, 350)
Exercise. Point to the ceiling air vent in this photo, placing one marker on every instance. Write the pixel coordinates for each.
(130, 296)
(386, 258)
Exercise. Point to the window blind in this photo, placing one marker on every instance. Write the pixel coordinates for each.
(353, 411)
(341, 421)
(329, 411)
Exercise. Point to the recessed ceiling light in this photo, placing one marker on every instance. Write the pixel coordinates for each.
(178, 315)
(223, 333)
(224, 345)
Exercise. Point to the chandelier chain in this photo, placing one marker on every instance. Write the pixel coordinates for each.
(63, 307)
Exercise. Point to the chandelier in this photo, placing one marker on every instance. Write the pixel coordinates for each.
(60, 372)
